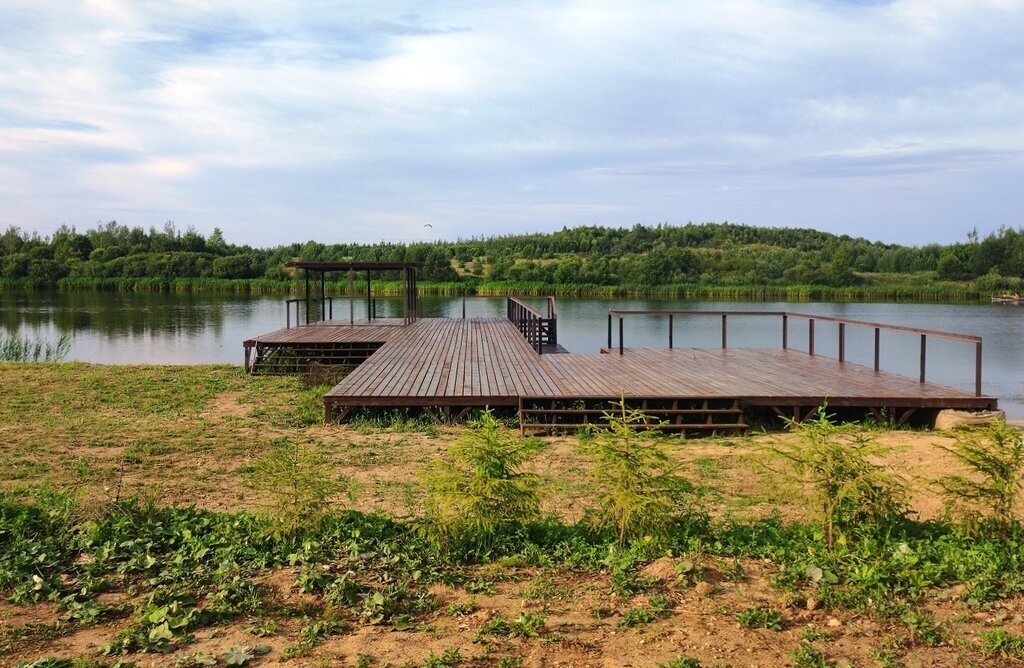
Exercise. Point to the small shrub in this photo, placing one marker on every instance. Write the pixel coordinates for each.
(923, 628)
(852, 493)
(806, 655)
(761, 618)
(681, 662)
(1002, 642)
(636, 617)
(298, 490)
(995, 458)
(481, 491)
(639, 491)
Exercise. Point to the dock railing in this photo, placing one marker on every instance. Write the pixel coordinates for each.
(326, 308)
(539, 331)
(811, 319)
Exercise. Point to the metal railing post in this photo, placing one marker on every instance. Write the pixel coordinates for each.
(670, 331)
(723, 331)
(842, 342)
(620, 334)
(609, 331)
(878, 340)
(810, 336)
(977, 369)
(924, 353)
(785, 331)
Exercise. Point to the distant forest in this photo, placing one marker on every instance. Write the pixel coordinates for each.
(582, 259)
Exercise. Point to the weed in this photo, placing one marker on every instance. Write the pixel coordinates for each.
(995, 457)
(1002, 642)
(526, 625)
(481, 491)
(756, 617)
(923, 628)
(806, 655)
(639, 491)
(365, 661)
(636, 617)
(450, 657)
(462, 609)
(510, 662)
(681, 662)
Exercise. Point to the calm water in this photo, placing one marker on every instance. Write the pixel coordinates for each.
(203, 328)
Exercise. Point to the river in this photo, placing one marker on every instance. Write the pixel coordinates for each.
(161, 328)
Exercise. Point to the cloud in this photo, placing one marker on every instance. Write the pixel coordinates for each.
(277, 121)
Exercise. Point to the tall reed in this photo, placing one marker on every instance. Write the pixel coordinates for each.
(25, 349)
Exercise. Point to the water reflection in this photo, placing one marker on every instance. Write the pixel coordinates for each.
(202, 328)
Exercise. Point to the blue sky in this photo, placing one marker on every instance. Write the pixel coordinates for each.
(349, 121)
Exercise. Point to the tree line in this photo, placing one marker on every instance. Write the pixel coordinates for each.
(707, 254)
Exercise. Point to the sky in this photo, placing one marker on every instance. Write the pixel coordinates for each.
(898, 121)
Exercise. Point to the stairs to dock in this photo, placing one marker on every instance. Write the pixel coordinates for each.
(288, 358)
(689, 417)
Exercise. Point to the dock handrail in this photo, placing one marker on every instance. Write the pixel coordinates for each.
(531, 323)
(811, 319)
(326, 309)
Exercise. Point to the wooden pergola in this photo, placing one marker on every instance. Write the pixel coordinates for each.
(315, 274)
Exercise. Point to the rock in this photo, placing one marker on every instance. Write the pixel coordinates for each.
(812, 604)
(833, 622)
(951, 419)
(662, 569)
(703, 589)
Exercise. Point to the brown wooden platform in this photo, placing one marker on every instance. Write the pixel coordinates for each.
(462, 364)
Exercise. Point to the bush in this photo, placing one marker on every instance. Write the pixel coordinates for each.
(639, 491)
(480, 490)
(995, 458)
(851, 493)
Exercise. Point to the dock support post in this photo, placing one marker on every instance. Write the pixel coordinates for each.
(723, 330)
(810, 336)
(323, 296)
(463, 307)
(351, 299)
(306, 274)
(609, 331)
(785, 331)
(670, 331)
(369, 297)
(977, 369)
(878, 339)
(924, 353)
(621, 347)
(842, 342)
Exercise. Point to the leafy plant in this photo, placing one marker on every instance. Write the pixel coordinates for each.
(1001, 641)
(639, 491)
(481, 490)
(681, 662)
(851, 492)
(757, 617)
(636, 617)
(923, 628)
(295, 481)
(994, 455)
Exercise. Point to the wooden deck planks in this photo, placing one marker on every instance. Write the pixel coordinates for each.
(468, 362)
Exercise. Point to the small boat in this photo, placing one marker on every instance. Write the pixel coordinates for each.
(1007, 299)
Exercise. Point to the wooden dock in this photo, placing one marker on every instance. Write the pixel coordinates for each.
(447, 367)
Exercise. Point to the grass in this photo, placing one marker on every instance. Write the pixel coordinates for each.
(155, 544)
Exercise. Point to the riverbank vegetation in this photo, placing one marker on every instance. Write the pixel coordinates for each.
(142, 520)
(695, 260)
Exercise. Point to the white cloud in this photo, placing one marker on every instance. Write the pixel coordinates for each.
(348, 115)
